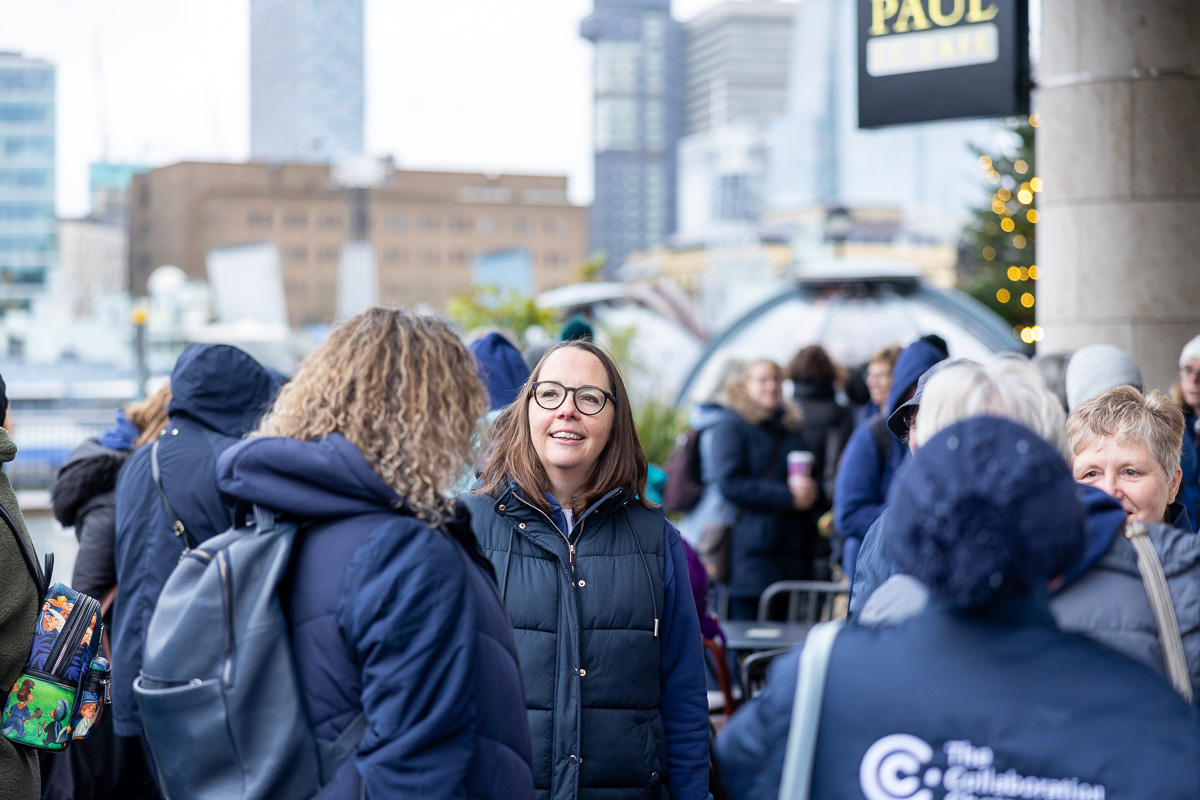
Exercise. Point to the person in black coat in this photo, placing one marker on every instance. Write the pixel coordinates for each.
(825, 422)
(775, 533)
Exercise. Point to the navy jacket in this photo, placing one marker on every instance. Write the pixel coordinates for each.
(861, 488)
(394, 617)
(218, 394)
(771, 541)
(973, 700)
(615, 711)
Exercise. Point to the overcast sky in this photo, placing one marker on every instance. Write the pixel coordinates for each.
(493, 85)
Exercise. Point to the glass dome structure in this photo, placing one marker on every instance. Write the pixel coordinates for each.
(853, 310)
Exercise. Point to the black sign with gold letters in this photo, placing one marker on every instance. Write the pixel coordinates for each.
(925, 60)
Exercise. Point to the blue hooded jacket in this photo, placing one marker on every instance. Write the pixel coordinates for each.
(395, 618)
(861, 488)
(218, 393)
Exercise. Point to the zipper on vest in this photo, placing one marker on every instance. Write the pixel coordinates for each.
(570, 547)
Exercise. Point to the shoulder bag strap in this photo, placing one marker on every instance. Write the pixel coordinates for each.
(1162, 607)
(176, 523)
(40, 579)
(806, 711)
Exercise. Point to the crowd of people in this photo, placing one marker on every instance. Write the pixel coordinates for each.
(484, 600)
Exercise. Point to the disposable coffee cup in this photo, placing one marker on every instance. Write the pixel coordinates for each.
(800, 463)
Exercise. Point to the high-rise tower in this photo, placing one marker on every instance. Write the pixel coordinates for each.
(306, 80)
(28, 227)
(637, 122)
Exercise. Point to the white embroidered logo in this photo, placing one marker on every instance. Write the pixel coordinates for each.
(889, 769)
(898, 767)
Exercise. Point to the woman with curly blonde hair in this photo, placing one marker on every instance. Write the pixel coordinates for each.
(393, 610)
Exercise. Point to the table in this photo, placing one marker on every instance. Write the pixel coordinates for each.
(752, 636)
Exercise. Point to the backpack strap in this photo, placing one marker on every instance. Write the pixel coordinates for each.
(333, 754)
(801, 747)
(1162, 607)
(189, 541)
(40, 579)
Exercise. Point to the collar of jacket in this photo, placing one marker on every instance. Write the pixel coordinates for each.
(515, 503)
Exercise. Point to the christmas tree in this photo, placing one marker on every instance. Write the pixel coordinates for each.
(997, 258)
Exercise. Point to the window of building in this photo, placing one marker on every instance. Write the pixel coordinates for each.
(260, 219)
(396, 222)
(328, 254)
(26, 79)
(460, 257)
(296, 252)
(556, 226)
(525, 225)
(295, 220)
(462, 224)
(488, 224)
(329, 221)
(26, 112)
(430, 223)
(431, 257)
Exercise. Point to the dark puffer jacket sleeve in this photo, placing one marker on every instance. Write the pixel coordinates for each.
(411, 618)
(95, 565)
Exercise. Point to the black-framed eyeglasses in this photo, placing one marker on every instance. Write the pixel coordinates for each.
(589, 400)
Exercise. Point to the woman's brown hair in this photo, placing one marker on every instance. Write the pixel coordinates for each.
(622, 462)
(150, 415)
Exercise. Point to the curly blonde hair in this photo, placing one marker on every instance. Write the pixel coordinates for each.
(402, 388)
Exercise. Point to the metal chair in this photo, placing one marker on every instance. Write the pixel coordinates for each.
(754, 671)
(808, 601)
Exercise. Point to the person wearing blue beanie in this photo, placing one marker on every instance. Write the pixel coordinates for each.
(980, 694)
(501, 368)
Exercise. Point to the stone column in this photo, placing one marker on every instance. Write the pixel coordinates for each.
(1118, 151)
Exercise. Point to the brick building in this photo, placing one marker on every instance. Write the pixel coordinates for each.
(426, 228)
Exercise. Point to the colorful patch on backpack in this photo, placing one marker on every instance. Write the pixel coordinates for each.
(38, 713)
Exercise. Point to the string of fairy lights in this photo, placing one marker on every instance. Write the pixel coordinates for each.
(1013, 204)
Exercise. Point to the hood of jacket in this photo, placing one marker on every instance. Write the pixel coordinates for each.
(89, 471)
(702, 416)
(1103, 519)
(222, 387)
(500, 367)
(910, 366)
(321, 479)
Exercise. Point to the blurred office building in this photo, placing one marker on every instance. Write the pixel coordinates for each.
(417, 236)
(736, 58)
(28, 228)
(306, 80)
(637, 112)
(910, 183)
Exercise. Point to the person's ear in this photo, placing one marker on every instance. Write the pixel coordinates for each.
(1175, 484)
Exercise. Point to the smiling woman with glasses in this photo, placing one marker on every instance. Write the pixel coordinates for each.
(596, 584)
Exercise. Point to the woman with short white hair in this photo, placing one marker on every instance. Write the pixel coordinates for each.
(1127, 444)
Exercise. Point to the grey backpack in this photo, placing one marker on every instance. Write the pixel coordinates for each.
(218, 693)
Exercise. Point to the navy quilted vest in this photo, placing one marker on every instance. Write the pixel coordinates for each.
(587, 640)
